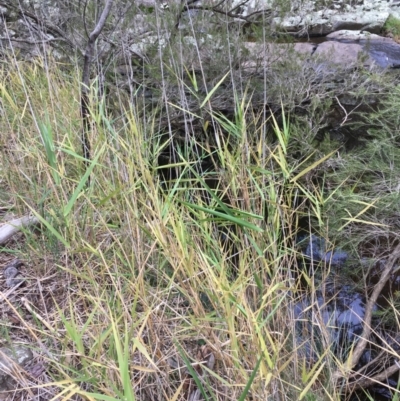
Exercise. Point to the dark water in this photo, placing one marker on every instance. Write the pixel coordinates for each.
(332, 317)
(386, 55)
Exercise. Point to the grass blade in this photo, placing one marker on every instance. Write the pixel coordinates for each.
(225, 216)
(78, 190)
(192, 372)
(48, 142)
(250, 381)
(208, 97)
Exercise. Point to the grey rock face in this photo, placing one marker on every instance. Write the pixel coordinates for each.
(340, 53)
(368, 16)
(12, 359)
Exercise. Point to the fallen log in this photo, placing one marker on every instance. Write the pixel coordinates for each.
(10, 228)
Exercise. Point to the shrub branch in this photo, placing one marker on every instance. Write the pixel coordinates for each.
(86, 79)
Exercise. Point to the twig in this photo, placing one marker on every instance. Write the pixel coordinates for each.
(374, 362)
(346, 115)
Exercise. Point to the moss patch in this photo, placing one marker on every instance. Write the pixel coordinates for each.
(392, 28)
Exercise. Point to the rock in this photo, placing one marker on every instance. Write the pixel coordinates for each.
(346, 35)
(265, 55)
(146, 43)
(342, 53)
(344, 48)
(365, 21)
(306, 20)
(11, 273)
(12, 359)
(385, 52)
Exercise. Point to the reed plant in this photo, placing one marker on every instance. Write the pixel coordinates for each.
(155, 287)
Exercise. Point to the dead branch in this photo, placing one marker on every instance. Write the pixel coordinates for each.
(346, 115)
(364, 338)
(10, 228)
(365, 381)
(362, 343)
(190, 5)
(88, 59)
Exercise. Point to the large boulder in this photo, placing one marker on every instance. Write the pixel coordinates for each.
(385, 52)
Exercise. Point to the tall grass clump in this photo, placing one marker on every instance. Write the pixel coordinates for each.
(162, 281)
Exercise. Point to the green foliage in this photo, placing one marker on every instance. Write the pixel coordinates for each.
(48, 142)
(392, 27)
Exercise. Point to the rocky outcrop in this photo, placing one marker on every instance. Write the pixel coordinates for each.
(348, 49)
(149, 35)
(44, 26)
(48, 24)
(307, 20)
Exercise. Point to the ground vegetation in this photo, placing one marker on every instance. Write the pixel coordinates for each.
(172, 273)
